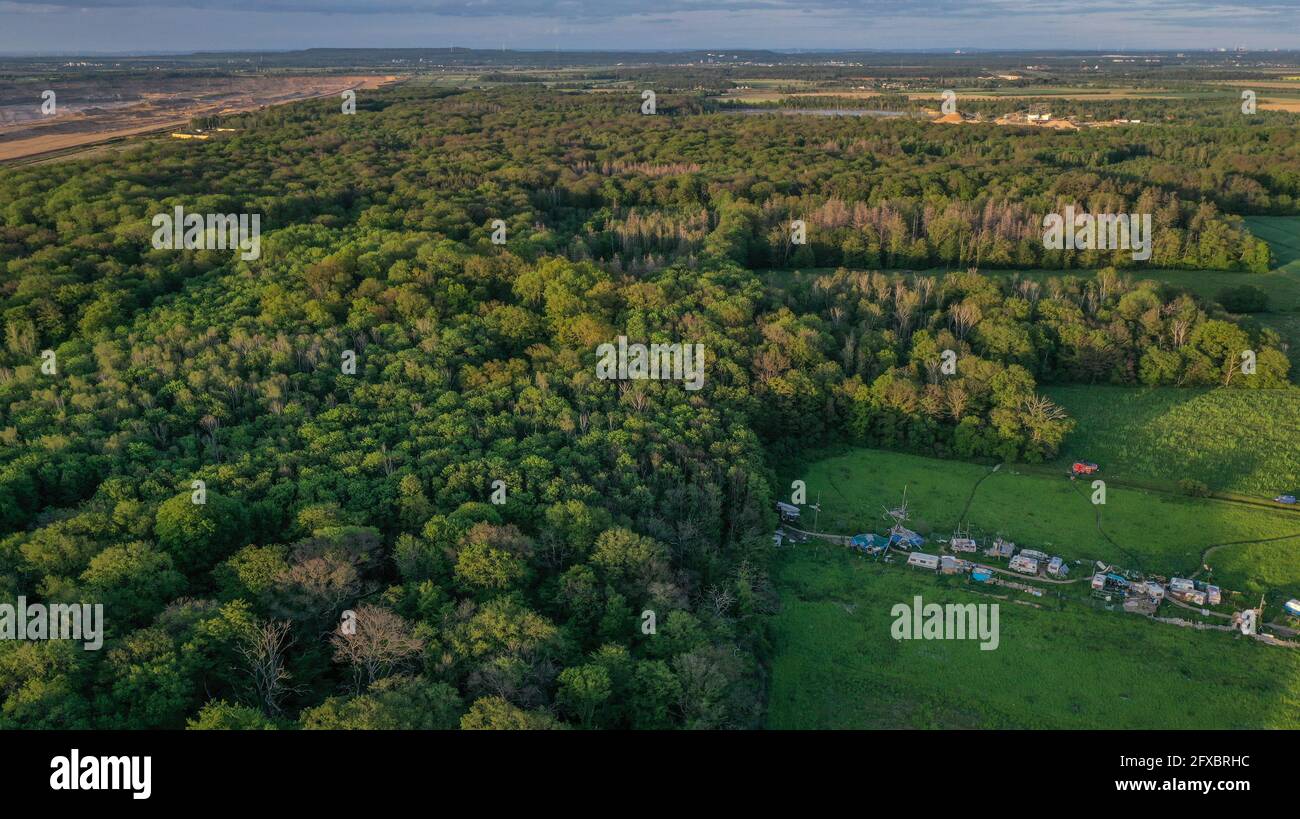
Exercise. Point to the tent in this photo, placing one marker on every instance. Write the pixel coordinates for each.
(868, 542)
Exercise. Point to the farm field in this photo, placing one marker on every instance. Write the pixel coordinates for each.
(1147, 530)
(1241, 441)
(1065, 665)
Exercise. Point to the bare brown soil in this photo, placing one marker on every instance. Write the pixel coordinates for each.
(88, 116)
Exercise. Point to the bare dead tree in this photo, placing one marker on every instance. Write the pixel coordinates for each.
(905, 304)
(957, 398)
(375, 643)
(1179, 327)
(720, 599)
(1232, 366)
(1040, 410)
(263, 648)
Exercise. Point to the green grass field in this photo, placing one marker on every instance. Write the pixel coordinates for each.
(1147, 530)
(1241, 441)
(1283, 235)
(1062, 662)
(1066, 665)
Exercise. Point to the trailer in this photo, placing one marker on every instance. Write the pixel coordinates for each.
(1193, 597)
(953, 565)
(962, 544)
(789, 512)
(1024, 565)
(923, 560)
(1001, 548)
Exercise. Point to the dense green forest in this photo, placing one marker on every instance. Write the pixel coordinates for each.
(367, 497)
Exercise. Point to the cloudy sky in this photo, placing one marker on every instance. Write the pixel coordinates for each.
(72, 26)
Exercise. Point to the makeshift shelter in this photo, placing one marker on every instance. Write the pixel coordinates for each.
(868, 542)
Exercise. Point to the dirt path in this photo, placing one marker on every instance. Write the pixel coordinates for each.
(971, 497)
(1096, 513)
(1209, 550)
(1166, 489)
(1198, 610)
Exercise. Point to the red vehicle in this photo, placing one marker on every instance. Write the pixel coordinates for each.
(1084, 468)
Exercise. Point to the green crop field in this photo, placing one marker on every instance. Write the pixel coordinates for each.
(1242, 441)
(1147, 530)
(1065, 665)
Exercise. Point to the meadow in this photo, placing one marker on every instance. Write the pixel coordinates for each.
(1064, 665)
(1240, 441)
(1137, 528)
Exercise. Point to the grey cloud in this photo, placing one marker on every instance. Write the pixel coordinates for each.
(1181, 11)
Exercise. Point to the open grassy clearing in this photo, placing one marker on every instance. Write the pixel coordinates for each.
(1147, 530)
(1066, 665)
(1242, 441)
(1283, 235)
